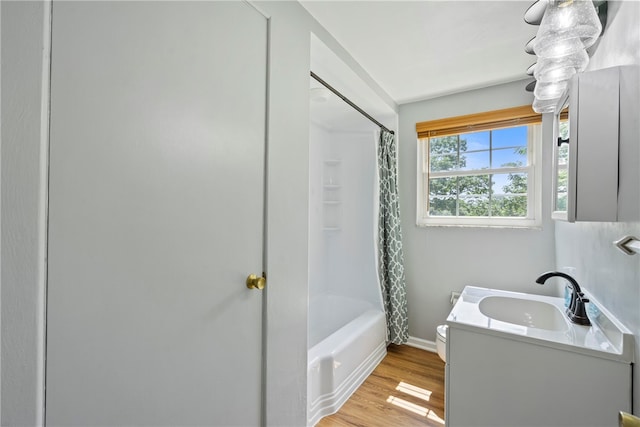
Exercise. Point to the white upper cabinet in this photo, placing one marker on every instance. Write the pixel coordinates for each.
(596, 176)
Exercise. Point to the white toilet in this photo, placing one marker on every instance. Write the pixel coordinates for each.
(441, 332)
(441, 341)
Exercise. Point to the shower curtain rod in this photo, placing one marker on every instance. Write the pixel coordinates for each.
(348, 101)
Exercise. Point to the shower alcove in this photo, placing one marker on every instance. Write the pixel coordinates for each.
(346, 326)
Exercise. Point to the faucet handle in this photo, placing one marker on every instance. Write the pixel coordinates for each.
(582, 298)
(579, 314)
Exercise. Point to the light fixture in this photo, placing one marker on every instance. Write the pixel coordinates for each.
(552, 48)
(560, 68)
(544, 105)
(567, 29)
(550, 90)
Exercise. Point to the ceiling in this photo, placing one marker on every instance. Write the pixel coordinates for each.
(417, 50)
(331, 112)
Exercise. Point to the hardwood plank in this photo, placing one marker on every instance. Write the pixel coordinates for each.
(406, 389)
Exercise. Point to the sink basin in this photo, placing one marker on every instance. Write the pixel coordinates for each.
(540, 320)
(524, 312)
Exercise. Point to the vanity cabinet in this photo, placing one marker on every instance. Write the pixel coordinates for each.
(599, 180)
(497, 381)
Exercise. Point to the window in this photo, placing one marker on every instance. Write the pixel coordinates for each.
(480, 170)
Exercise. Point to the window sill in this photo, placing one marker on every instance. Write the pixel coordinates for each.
(532, 226)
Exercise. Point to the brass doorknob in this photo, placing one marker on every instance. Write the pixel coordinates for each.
(255, 282)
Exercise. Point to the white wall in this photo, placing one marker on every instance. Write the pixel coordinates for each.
(440, 260)
(24, 30)
(612, 277)
(24, 133)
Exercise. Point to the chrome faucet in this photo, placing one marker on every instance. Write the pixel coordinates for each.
(576, 311)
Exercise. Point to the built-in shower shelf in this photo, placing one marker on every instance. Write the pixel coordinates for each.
(331, 195)
(331, 173)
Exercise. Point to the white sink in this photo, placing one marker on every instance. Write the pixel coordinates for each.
(507, 349)
(541, 320)
(524, 312)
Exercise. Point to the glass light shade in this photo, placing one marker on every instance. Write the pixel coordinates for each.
(544, 105)
(588, 25)
(550, 90)
(552, 47)
(567, 26)
(561, 68)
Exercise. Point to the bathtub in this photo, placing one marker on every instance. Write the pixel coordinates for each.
(347, 340)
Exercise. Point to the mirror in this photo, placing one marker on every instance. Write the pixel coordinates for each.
(561, 158)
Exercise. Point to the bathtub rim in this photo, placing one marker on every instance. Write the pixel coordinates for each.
(370, 327)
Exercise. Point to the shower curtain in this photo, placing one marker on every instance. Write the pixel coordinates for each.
(390, 258)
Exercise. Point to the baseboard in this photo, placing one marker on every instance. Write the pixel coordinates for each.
(422, 344)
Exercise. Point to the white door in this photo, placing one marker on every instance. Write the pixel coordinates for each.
(155, 214)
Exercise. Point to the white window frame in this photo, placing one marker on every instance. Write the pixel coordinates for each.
(533, 219)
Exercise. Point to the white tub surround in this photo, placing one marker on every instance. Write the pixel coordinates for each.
(347, 325)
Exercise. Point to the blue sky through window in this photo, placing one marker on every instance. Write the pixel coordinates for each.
(506, 145)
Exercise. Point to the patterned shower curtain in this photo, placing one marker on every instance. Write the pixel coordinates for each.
(390, 258)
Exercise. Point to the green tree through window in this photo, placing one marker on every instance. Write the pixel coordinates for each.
(464, 183)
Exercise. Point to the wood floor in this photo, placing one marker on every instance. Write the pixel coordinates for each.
(406, 389)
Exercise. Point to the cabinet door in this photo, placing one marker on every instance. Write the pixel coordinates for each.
(602, 174)
(593, 150)
(502, 382)
(156, 214)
